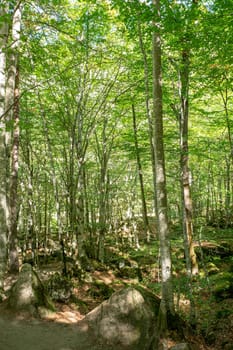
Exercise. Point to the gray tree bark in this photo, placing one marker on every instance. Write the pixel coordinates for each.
(140, 175)
(12, 98)
(13, 202)
(167, 304)
(3, 162)
(191, 261)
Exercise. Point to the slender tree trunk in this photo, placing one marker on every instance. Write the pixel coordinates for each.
(167, 304)
(147, 103)
(30, 205)
(13, 246)
(140, 174)
(53, 174)
(80, 144)
(229, 160)
(12, 66)
(102, 155)
(102, 216)
(80, 228)
(12, 137)
(104, 143)
(104, 148)
(3, 161)
(102, 205)
(191, 260)
(72, 180)
(228, 193)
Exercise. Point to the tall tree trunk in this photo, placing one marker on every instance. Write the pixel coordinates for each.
(80, 145)
(30, 229)
(190, 256)
(53, 173)
(140, 174)
(81, 234)
(12, 64)
(104, 144)
(167, 304)
(102, 155)
(229, 159)
(12, 143)
(3, 162)
(102, 210)
(147, 103)
(13, 246)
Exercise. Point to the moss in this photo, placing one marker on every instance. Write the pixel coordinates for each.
(59, 287)
(222, 285)
(212, 268)
(100, 290)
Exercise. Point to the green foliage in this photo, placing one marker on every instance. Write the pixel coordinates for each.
(100, 289)
(81, 68)
(222, 285)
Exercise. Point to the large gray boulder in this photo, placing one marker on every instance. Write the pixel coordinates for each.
(127, 320)
(28, 293)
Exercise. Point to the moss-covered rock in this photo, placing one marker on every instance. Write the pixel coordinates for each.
(59, 288)
(127, 320)
(183, 346)
(222, 285)
(28, 293)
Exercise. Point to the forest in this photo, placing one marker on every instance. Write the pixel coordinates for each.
(116, 164)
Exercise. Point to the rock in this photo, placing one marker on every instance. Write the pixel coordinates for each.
(28, 293)
(59, 288)
(182, 346)
(228, 346)
(125, 321)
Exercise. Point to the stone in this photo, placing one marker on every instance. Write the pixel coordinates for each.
(28, 293)
(59, 288)
(182, 346)
(127, 320)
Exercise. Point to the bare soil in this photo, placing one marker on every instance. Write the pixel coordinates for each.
(57, 331)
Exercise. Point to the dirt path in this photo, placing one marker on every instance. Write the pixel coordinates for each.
(42, 335)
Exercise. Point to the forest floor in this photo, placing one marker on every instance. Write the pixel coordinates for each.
(62, 330)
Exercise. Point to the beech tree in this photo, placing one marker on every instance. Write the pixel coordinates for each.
(181, 60)
(81, 159)
(167, 305)
(12, 143)
(3, 160)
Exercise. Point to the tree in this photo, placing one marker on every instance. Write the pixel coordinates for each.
(12, 117)
(3, 199)
(167, 305)
(182, 66)
(140, 175)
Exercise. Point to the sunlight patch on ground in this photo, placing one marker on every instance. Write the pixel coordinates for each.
(107, 277)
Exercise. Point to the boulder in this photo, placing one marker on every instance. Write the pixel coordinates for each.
(127, 320)
(59, 288)
(28, 295)
(182, 346)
